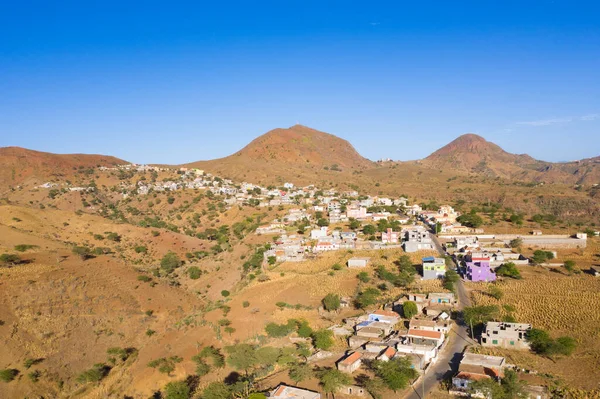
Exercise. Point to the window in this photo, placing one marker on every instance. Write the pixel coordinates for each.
(512, 342)
(495, 341)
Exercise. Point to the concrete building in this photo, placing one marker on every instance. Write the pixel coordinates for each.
(417, 239)
(350, 363)
(505, 335)
(287, 392)
(358, 262)
(433, 268)
(474, 367)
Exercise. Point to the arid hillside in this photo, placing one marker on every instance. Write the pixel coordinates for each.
(18, 165)
(296, 153)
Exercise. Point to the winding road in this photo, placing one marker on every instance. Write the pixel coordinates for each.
(449, 358)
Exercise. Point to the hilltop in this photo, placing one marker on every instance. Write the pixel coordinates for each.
(298, 153)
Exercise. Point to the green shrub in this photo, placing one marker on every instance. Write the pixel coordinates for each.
(7, 375)
(194, 272)
(141, 249)
(24, 247)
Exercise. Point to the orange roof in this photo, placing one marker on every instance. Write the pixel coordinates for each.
(386, 313)
(425, 334)
(471, 376)
(389, 352)
(351, 358)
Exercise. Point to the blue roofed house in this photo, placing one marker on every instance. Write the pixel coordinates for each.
(433, 268)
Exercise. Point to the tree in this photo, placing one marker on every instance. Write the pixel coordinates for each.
(410, 310)
(216, 390)
(331, 302)
(512, 385)
(516, 243)
(170, 262)
(194, 272)
(374, 386)
(83, 252)
(476, 315)
(369, 230)
(570, 266)
(354, 224)
(508, 269)
(300, 372)
(396, 373)
(367, 297)
(331, 380)
(540, 256)
(177, 390)
(241, 357)
(323, 339)
(304, 329)
(322, 222)
(450, 279)
(487, 388)
(267, 355)
(470, 220)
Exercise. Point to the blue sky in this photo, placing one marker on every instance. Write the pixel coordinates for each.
(174, 82)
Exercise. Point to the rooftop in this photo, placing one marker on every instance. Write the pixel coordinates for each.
(483, 360)
(425, 334)
(351, 358)
(287, 392)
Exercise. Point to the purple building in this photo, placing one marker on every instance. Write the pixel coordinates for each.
(478, 269)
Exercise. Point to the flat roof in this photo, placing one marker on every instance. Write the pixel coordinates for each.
(287, 392)
(483, 360)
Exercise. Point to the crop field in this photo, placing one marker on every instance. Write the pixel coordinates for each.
(561, 304)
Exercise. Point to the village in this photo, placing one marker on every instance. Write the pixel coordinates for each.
(420, 326)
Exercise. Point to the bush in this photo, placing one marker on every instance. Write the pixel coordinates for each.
(141, 249)
(83, 252)
(363, 277)
(246, 304)
(170, 262)
(7, 375)
(144, 278)
(24, 247)
(541, 343)
(331, 302)
(94, 374)
(225, 293)
(194, 272)
(10, 259)
(275, 330)
(113, 237)
(165, 365)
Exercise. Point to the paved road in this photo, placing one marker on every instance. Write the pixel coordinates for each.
(448, 359)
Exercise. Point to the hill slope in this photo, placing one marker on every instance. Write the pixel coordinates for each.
(298, 152)
(20, 164)
(472, 153)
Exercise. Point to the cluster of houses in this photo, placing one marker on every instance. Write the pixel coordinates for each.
(381, 335)
(294, 247)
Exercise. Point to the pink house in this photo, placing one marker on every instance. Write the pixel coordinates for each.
(389, 236)
(358, 213)
(478, 269)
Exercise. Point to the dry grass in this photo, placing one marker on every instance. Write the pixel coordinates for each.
(563, 305)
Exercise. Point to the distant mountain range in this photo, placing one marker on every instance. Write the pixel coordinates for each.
(302, 154)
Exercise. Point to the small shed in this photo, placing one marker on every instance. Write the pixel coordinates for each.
(358, 262)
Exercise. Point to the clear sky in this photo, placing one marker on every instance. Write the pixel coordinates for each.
(174, 82)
